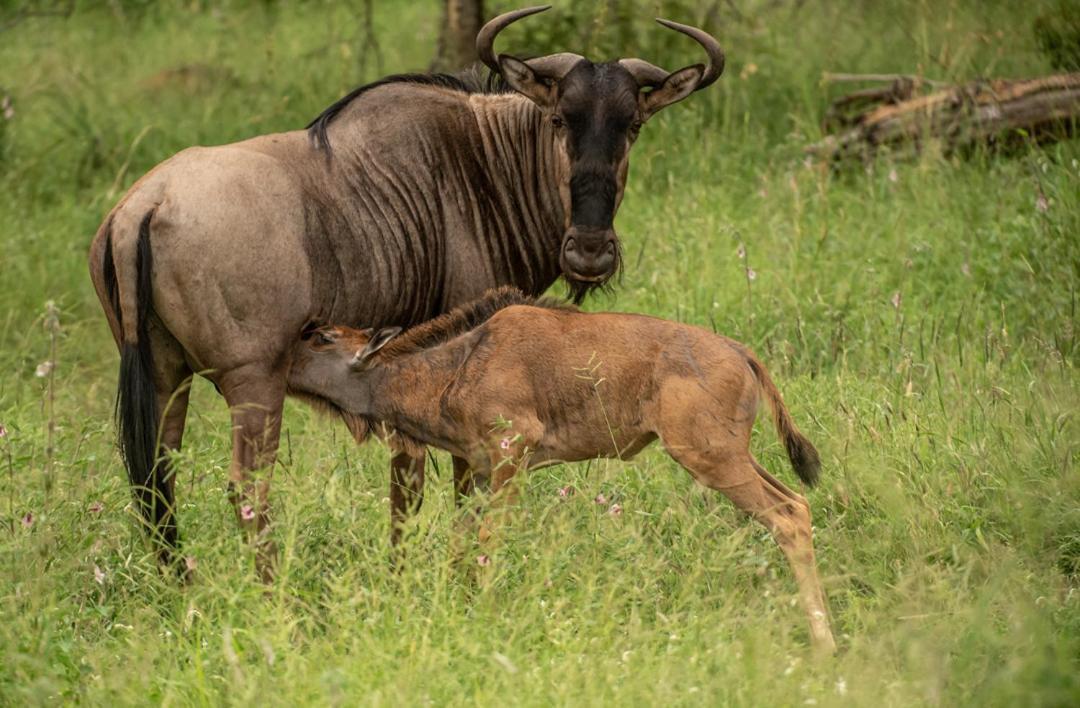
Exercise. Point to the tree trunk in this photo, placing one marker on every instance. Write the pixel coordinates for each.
(462, 20)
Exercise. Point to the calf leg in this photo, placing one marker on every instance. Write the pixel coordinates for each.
(504, 493)
(406, 490)
(256, 398)
(786, 515)
(463, 481)
(508, 455)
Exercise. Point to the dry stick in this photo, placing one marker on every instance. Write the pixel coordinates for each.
(52, 324)
(368, 40)
(750, 275)
(25, 14)
(11, 490)
(588, 373)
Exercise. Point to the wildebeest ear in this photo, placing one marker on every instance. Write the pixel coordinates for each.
(377, 342)
(527, 82)
(677, 86)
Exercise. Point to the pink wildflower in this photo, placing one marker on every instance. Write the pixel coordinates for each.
(505, 443)
(99, 575)
(741, 252)
(246, 512)
(897, 299)
(28, 520)
(566, 491)
(43, 369)
(600, 499)
(190, 563)
(615, 510)
(95, 508)
(751, 274)
(3, 431)
(483, 560)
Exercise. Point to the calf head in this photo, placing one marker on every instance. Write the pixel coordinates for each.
(331, 362)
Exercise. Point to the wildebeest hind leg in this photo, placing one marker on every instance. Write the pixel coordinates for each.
(172, 412)
(785, 513)
(256, 398)
(172, 382)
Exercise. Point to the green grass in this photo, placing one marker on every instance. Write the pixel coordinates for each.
(948, 518)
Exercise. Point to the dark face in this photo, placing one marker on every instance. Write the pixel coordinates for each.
(596, 120)
(595, 111)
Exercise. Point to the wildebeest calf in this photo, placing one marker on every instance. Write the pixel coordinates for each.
(508, 382)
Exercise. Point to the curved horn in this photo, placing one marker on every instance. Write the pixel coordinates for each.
(711, 46)
(485, 38)
(644, 73)
(554, 66)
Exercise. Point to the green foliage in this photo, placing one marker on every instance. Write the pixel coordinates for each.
(612, 29)
(919, 317)
(1058, 35)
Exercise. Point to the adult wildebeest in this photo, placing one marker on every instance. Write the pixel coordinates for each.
(405, 198)
(508, 383)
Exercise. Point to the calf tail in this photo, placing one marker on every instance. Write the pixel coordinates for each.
(800, 451)
(136, 398)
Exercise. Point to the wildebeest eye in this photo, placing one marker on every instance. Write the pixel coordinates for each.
(635, 127)
(557, 121)
(324, 337)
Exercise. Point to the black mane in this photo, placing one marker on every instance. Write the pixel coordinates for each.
(464, 319)
(471, 80)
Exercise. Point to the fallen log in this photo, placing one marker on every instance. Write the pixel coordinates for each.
(978, 113)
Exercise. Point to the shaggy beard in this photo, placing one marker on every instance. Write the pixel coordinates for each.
(578, 290)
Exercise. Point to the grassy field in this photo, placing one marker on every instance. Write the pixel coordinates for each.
(920, 317)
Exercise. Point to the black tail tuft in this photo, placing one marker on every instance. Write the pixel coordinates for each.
(801, 452)
(136, 410)
(804, 457)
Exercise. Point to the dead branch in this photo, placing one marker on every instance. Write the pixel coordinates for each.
(368, 42)
(983, 112)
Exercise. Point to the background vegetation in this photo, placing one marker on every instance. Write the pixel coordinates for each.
(920, 317)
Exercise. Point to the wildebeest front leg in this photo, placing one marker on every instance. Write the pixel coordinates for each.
(255, 399)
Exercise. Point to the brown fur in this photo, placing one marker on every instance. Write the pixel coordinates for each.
(464, 319)
(574, 386)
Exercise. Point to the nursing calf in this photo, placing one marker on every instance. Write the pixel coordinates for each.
(510, 383)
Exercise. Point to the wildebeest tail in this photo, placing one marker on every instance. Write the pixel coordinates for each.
(800, 451)
(136, 397)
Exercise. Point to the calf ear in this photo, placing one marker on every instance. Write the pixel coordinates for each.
(677, 86)
(527, 82)
(380, 340)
